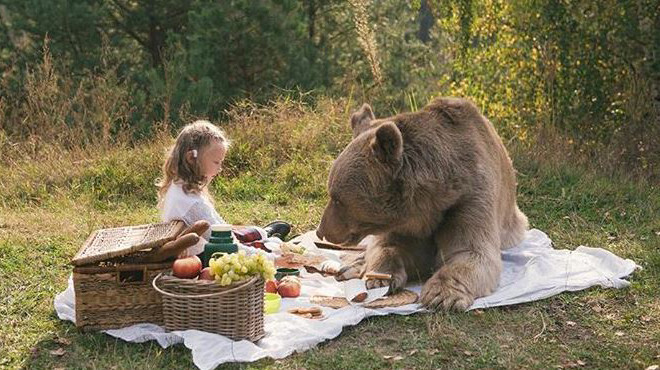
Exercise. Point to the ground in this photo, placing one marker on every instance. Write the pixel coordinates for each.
(46, 214)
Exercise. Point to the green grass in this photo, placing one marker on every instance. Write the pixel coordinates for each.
(49, 207)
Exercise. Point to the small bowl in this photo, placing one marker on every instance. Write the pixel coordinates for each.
(272, 302)
(283, 271)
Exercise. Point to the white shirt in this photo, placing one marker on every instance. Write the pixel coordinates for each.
(190, 208)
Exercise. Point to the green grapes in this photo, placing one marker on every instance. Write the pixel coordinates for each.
(230, 268)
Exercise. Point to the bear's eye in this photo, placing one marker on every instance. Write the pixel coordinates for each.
(336, 201)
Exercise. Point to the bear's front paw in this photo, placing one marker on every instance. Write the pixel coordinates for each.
(396, 283)
(352, 271)
(442, 292)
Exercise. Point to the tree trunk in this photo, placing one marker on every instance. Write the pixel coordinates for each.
(425, 22)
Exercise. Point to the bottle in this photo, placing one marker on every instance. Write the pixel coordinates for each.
(248, 234)
(221, 241)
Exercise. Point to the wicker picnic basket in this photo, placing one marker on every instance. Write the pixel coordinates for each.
(235, 311)
(112, 287)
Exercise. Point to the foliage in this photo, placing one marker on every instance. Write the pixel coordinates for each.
(588, 70)
(585, 72)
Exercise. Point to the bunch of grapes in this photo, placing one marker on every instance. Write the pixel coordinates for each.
(229, 268)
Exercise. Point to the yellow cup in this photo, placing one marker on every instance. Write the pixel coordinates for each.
(272, 302)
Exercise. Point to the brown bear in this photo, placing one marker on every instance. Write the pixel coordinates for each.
(437, 190)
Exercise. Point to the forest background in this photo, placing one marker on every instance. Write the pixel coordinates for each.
(585, 74)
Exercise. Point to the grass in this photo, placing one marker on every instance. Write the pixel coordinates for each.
(48, 207)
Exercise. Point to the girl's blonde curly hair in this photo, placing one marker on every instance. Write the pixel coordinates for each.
(195, 136)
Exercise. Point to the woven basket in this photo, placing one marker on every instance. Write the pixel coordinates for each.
(112, 287)
(110, 297)
(120, 243)
(235, 311)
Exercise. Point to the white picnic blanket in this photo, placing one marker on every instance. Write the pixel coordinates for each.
(531, 271)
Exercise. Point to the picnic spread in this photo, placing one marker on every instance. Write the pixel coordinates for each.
(241, 315)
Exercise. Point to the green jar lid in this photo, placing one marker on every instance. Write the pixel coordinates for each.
(221, 240)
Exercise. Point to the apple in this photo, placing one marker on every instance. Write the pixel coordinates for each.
(289, 287)
(187, 267)
(206, 274)
(271, 286)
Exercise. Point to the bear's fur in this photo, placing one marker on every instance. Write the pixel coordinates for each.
(437, 190)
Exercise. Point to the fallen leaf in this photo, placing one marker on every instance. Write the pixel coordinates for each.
(570, 323)
(387, 357)
(467, 353)
(581, 363)
(652, 367)
(58, 352)
(646, 318)
(398, 358)
(412, 352)
(597, 308)
(63, 341)
(478, 312)
(432, 351)
(619, 333)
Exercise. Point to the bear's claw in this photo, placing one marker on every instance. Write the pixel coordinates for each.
(445, 293)
(353, 271)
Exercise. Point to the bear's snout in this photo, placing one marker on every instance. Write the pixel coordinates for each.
(330, 228)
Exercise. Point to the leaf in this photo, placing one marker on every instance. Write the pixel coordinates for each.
(652, 367)
(412, 352)
(467, 353)
(570, 323)
(619, 333)
(581, 363)
(58, 352)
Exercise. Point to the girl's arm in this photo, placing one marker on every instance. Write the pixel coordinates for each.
(202, 211)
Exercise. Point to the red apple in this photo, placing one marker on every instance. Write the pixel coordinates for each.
(206, 274)
(271, 286)
(289, 287)
(187, 267)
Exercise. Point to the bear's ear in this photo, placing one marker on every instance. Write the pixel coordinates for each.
(387, 144)
(361, 119)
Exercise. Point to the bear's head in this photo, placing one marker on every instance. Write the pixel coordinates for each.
(364, 186)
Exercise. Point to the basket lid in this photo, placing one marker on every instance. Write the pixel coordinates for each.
(121, 241)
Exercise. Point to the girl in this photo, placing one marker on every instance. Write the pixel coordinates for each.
(194, 161)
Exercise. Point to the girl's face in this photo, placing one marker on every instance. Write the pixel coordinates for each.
(211, 158)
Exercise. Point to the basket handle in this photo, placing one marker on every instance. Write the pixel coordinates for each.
(159, 290)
